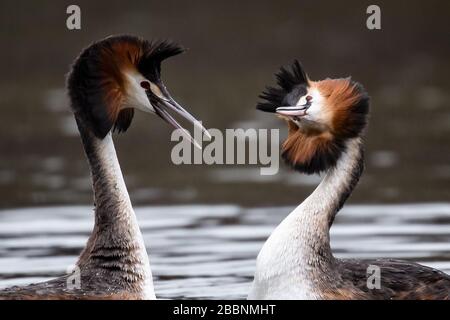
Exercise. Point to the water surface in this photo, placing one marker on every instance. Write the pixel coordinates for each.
(208, 252)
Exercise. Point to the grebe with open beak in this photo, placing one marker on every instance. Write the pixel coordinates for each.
(108, 81)
(326, 122)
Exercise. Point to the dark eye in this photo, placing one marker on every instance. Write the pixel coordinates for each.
(145, 85)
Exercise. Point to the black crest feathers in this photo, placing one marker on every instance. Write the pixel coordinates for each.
(155, 53)
(292, 83)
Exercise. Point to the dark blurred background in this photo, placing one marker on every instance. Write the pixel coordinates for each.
(234, 49)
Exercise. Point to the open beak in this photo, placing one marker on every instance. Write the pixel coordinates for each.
(163, 103)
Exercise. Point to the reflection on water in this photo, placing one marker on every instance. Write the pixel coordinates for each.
(203, 251)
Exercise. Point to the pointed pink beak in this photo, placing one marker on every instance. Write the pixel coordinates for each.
(293, 111)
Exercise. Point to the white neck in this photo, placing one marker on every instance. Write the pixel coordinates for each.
(116, 246)
(298, 252)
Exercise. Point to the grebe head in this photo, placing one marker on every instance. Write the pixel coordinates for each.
(116, 75)
(321, 116)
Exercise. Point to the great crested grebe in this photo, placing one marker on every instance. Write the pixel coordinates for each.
(326, 121)
(107, 82)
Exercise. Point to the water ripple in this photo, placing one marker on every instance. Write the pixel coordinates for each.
(204, 251)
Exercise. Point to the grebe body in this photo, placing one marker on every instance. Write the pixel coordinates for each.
(326, 121)
(107, 82)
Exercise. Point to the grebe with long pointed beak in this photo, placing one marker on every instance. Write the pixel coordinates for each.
(108, 81)
(326, 121)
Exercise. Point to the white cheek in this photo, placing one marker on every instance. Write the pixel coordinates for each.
(301, 101)
(135, 95)
(317, 110)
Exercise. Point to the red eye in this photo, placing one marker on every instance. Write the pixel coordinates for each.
(145, 85)
(308, 98)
